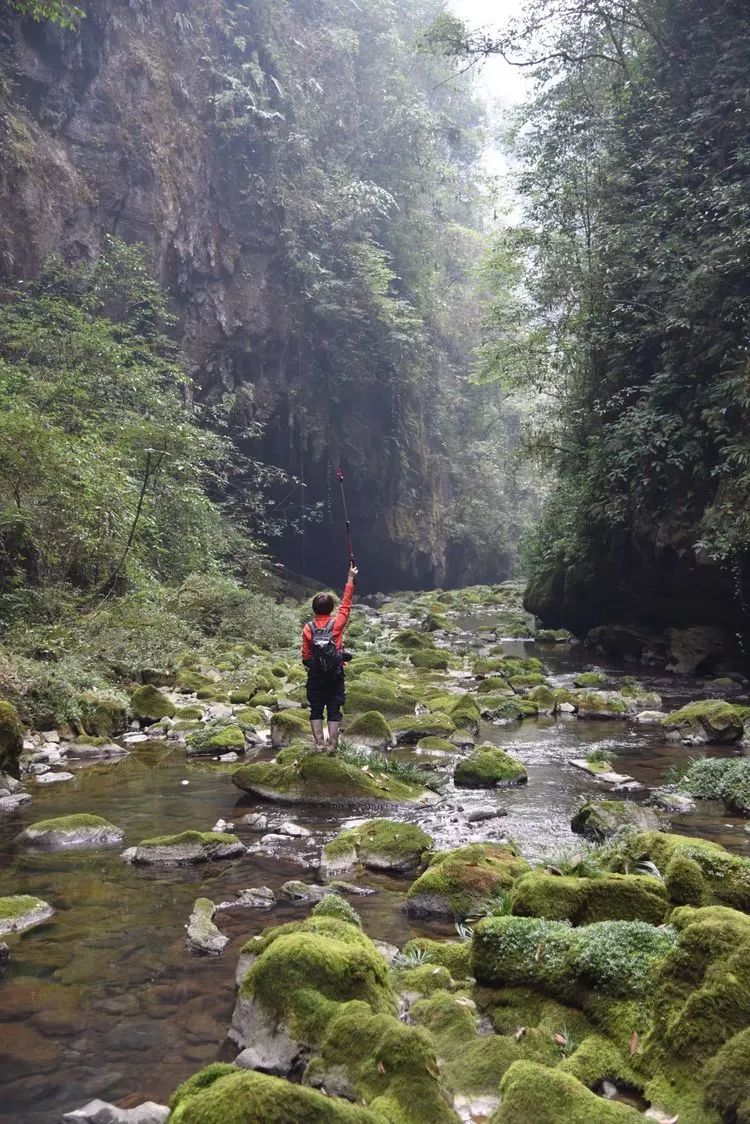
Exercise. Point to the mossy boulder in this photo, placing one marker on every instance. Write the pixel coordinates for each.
(22, 911)
(382, 844)
(613, 897)
(299, 975)
(590, 679)
(431, 659)
(226, 1094)
(191, 681)
(436, 745)
(101, 715)
(726, 1079)
(150, 705)
(600, 705)
(215, 738)
(188, 848)
(695, 871)
(493, 685)
(452, 955)
(333, 905)
(720, 778)
(413, 641)
(410, 729)
(618, 959)
(711, 721)
(372, 729)
(600, 819)
(250, 718)
(436, 622)
(489, 767)
(189, 713)
(314, 778)
(462, 882)
(364, 697)
(11, 739)
(502, 708)
(532, 1093)
(465, 714)
(77, 831)
(288, 726)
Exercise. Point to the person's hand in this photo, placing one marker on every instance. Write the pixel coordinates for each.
(353, 571)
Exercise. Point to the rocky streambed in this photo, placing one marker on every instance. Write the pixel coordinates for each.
(531, 972)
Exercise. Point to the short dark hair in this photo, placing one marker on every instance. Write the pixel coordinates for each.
(322, 604)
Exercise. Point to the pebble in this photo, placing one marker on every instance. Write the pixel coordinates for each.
(52, 778)
(294, 829)
(486, 814)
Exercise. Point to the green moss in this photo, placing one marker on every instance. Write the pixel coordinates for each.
(212, 694)
(590, 679)
(414, 641)
(215, 737)
(264, 698)
(11, 739)
(249, 717)
(202, 837)
(191, 681)
(720, 778)
(595, 703)
(459, 883)
(599, 819)
(424, 979)
(432, 660)
(410, 729)
(533, 1094)
(224, 1094)
(319, 779)
(726, 1079)
(624, 897)
(15, 907)
(485, 666)
(726, 877)
(102, 715)
(436, 743)
(494, 684)
(189, 713)
(465, 714)
(436, 622)
(715, 720)
(383, 845)
(149, 704)
(489, 767)
(362, 698)
(529, 679)
(69, 823)
(451, 955)
(500, 707)
(371, 724)
(613, 958)
(333, 905)
(683, 880)
(288, 725)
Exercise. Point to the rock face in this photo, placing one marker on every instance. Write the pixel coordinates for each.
(188, 848)
(11, 739)
(22, 911)
(77, 831)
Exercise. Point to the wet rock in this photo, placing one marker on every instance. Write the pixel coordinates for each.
(409, 731)
(601, 705)
(303, 891)
(202, 934)
(101, 1112)
(389, 952)
(379, 845)
(4, 954)
(54, 778)
(462, 882)
(150, 705)
(692, 650)
(76, 831)
(481, 814)
(260, 897)
(489, 767)
(371, 729)
(222, 825)
(25, 1052)
(349, 888)
(710, 721)
(9, 802)
(187, 848)
(256, 821)
(295, 830)
(600, 819)
(601, 772)
(22, 911)
(679, 803)
(649, 718)
(84, 751)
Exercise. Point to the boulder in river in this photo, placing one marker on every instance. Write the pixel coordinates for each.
(378, 844)
(600, 704)
(489, 767)
(599, 819)
(609, 897)
(101, 1112)
(215, 738)
(187, 848)
(75, 831)
(461, 882)
(22, 911)
(302, 776)
(287, 726)
(202, 934)
(710, 721)
(371, 729)
(411, 729)
(150, 705)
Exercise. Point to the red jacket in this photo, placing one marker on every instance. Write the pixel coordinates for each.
(342, 619)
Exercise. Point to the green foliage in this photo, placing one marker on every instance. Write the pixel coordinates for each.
(62, 12)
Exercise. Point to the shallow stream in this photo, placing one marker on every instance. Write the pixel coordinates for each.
(106, 1001)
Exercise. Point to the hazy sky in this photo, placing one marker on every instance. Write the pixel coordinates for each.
(496, 78)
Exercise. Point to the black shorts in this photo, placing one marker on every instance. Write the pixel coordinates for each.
(326, 694)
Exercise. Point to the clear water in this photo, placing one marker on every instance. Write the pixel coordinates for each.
(106, 1001)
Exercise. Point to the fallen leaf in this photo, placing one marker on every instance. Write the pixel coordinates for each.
(635, 1043)
(560, 1039)
(538, 953)
(381, 1067)
(520, 1032)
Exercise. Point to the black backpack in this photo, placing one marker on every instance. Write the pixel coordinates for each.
(326, 657)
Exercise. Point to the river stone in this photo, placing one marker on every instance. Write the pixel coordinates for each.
(295, 830)
(187, 848)
(83, 750)
(303, 891)
(21, 911)
(53, 778)
(9, 802)
(202, 934)
(301, 776)
(77, 831)
(711, 721)
(600, 819)
(384, 845)
(678, 803)
(100, 1112)
(649, 717)
(256, 821)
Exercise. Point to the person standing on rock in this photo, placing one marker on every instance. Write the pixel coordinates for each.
(324, 657)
